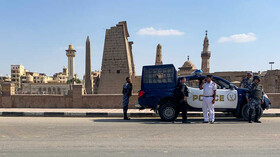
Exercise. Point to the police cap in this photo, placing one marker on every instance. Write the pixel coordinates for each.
(257, 77)
(249, 74)
(209, 76)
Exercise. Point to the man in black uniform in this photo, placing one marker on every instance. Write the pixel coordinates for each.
(181, 93)
(127, 92)
(255, 99)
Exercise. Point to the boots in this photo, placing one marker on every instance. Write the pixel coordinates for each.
(258, 113)
(125, 116)
(250, 116)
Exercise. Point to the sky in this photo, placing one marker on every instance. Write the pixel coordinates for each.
(243, 34)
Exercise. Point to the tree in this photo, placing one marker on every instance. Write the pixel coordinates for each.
(71, 81)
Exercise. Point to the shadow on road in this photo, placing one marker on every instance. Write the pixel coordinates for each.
(178, 121)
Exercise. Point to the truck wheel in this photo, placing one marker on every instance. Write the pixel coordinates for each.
(168, 112)
(245, 112)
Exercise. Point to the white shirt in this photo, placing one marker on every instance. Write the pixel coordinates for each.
(209, 88)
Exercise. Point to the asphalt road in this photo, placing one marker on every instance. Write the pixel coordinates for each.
(42, 136)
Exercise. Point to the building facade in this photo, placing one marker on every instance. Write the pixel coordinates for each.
(46, 88)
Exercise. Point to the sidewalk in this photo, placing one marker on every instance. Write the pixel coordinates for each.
(63, 112)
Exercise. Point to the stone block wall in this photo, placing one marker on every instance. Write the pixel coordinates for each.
(1, 101)
(271, 81)
(78, 100)
(40, 101)
(274, 98)
(112, 101)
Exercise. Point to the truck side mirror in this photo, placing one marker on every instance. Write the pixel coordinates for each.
(231, 86)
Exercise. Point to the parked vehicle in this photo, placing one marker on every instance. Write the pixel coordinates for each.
(157, 87)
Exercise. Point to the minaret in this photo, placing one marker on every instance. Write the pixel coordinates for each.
(88, 81)
(159, 55)
(205, 55)
(70, 53)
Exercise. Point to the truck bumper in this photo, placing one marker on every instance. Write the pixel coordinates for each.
(138, 106)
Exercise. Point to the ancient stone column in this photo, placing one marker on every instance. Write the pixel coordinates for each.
(159, 55)
(88, 81)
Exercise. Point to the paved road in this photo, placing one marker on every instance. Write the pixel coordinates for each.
(41, 136)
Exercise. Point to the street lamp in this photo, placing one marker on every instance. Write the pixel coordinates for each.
(271, 64)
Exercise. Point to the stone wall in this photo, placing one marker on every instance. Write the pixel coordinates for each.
(274, 98)
(1, 101)
(136, 83)
(271, 81)
(106, 101)
(40, 101)
(112, 101)
(232, 75)
(78, 100)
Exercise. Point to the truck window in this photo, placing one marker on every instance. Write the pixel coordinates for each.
(193, 83)
(221, 84)
(158, 75)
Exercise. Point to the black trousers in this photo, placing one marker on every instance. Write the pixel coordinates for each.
(183, 108)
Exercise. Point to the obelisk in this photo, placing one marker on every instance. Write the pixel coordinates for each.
(88, 81)
(159, 55)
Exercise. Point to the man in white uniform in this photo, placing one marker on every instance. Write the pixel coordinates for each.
(209, 95)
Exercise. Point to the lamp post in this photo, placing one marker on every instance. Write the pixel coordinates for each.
(271, 64)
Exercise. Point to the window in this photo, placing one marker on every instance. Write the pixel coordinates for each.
(193, 83)
(159, 75)
(118, 71)
(221, 84)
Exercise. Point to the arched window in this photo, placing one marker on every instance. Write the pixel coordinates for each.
(54, 90)
(58, 90)
(49, 90)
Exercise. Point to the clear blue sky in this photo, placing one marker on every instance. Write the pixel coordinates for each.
(243, 34)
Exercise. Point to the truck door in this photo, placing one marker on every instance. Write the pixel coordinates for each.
(226, 98)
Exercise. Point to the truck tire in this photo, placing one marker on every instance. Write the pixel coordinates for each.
(168, 111)
(245, 112)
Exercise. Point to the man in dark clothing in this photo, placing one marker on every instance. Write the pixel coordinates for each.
(255, 99)
(127, 92)
(246, 82)
(181, 93)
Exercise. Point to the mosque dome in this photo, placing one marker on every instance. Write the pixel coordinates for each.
(187, 68)
(188, 64)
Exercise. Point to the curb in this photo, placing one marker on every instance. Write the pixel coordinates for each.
(107, 114)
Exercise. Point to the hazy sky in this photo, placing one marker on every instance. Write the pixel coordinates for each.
(243, 34)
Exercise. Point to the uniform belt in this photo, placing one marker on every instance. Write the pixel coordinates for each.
(209, 96)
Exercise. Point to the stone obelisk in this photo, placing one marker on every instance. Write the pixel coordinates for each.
(159, 55)
(88, 81)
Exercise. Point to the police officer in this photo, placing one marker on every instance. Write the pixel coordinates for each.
(127, 91)
(209, 95)
(181, 93)
(255, 99)
(246, 82)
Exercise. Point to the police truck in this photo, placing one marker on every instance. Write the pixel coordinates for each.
(158, 83)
